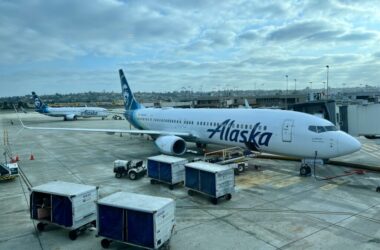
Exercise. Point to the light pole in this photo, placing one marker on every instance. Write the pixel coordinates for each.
(327, 81)
(324, 87)
(295, 84)
(311, 90)
(286, 97)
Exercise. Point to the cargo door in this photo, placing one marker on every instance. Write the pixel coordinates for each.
(287, 128)
(208, 183)
(165, 172)
(111, 222)
(140, 228)
(62, 212)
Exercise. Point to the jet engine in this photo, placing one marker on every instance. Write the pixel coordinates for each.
(70, 117)
(171, 144)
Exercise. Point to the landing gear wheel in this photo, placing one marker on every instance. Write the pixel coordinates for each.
(132, 175)
(305, 171)
(228, 197)
(73, 235)
(378, 189)
(201, 145)
(118, 175)
(171, 187)
(153, 181)
(214, 201)
(190, 192)
(40, 226)
(105, 243)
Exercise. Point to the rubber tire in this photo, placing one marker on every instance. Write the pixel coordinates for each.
(40, 226)
(73, 235)
(378, 189)
(132, 176)
(171, 186)
(228, 197)
(214, 201)
(105, 243)
(118, 175)
(190, 192)
(152, 181)
(304, 171)
(240, 168)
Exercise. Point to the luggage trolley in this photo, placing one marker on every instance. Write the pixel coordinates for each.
(136, 219)
(166, 169)
(67, 205)
(210, 179)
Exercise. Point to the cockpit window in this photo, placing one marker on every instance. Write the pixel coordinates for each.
(313, 128)
(331, 128)
(322, 129)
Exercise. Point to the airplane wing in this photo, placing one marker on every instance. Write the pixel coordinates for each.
(128, 131)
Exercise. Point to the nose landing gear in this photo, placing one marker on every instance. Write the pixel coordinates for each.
(305, 170)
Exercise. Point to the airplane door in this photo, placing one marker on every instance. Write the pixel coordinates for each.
(287, 127)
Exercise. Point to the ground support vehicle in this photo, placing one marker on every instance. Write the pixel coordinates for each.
(134, 169)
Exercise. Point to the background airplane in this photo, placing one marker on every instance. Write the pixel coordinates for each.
(279, 132)
(68, 113)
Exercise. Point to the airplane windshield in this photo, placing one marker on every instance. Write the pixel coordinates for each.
(322, 129)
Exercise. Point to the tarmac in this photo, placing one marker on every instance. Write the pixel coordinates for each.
(272, 208)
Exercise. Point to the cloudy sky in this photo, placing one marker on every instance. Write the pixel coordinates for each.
(78, 46)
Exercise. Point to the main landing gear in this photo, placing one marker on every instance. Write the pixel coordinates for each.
(305, 170)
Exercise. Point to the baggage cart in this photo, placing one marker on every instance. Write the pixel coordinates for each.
(67, 205)
(166, 169)
(210, 179)
(135, 219)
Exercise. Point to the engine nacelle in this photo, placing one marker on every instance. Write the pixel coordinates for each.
(171, 144)
(70, 117)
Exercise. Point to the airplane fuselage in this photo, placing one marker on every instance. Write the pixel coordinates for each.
(75, 111)
(271, 131)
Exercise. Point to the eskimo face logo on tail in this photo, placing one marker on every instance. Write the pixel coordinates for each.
(252, 137)
(37, 103)
(127, 96)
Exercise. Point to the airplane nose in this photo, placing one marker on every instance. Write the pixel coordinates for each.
(347, 144)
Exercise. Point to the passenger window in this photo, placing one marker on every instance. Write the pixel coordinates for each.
(237, 125)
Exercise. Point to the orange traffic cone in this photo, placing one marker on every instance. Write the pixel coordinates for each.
(31, 157)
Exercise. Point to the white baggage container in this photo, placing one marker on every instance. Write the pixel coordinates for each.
(211, 179)
(167, 169)
(68, 205)
(135, 219)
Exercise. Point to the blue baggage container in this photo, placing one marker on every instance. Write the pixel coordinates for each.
(210, 179)
(166, 169)
(64, 204)
(135, 219)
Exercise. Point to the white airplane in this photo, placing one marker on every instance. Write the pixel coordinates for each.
(68, 113)
(279, 132)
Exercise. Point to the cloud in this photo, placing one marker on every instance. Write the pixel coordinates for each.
(60, 46)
